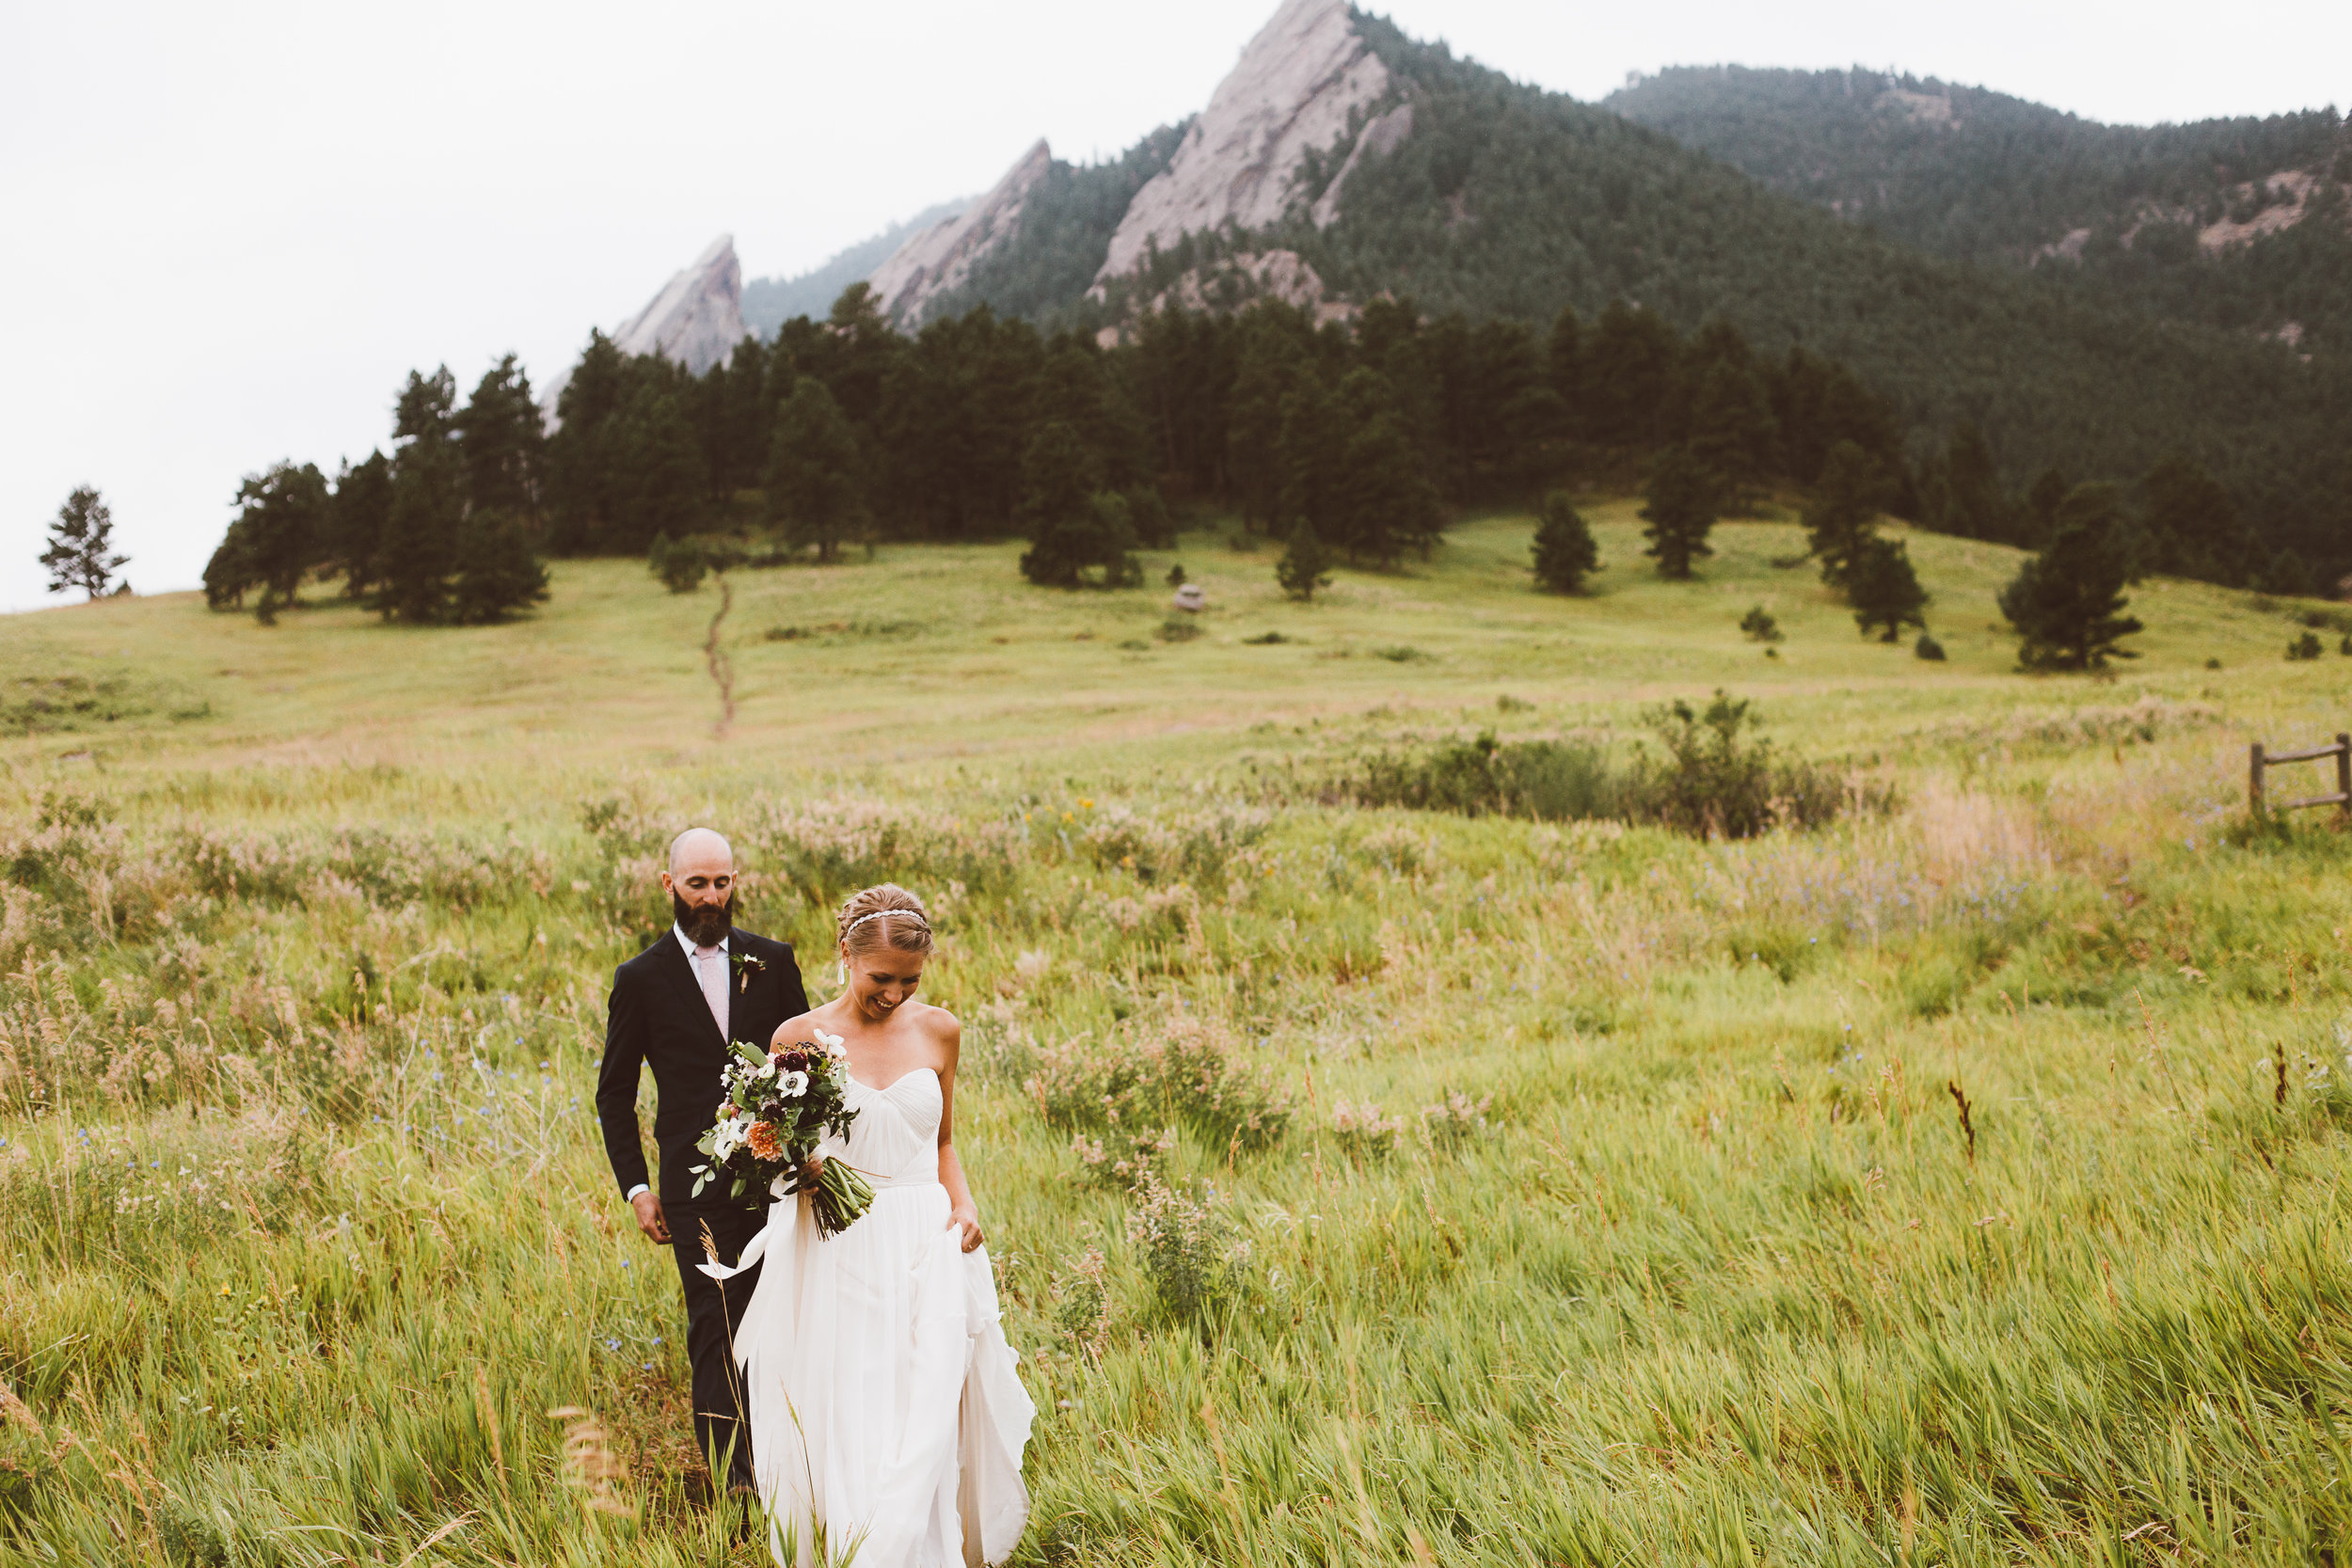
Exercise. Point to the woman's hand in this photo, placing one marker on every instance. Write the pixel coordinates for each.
(967, 1219)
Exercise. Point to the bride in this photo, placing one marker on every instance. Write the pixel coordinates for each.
(886, 1418)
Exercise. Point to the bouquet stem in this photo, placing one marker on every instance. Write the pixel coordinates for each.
(838, 1198)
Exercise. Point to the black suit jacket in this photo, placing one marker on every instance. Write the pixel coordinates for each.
(658, 1016)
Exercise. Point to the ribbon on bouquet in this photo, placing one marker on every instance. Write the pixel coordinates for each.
(757, 1248)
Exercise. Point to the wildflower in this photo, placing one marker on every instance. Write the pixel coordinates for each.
(761, 1140)
(793, 1085)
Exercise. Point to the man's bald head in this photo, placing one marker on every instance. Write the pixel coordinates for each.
(701, 884)
(700, 849)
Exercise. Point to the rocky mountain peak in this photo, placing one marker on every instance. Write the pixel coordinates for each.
(697, 318)
(938, 260)
(1295, 91)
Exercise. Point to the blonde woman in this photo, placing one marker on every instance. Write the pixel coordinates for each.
(886, 1415)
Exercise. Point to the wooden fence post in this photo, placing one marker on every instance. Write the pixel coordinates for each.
(2254, 779)
(2343, 773)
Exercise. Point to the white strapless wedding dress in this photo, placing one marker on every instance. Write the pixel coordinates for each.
(886, 1415)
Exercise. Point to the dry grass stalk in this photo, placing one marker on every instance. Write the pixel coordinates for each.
(590, 1467)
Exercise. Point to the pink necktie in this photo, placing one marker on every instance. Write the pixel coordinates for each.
(710, 967)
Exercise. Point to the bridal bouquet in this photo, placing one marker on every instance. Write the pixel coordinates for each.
(780, 1105)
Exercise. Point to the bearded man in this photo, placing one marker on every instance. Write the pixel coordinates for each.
(677, 1006)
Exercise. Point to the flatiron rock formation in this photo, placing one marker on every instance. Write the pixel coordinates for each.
(1294, 91)
(697, 318)
(939, 259)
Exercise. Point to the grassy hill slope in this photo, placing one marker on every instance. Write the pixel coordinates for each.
(1564, 1193)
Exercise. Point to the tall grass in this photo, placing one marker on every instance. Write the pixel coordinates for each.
(1711, 1272)
(1368, 1182)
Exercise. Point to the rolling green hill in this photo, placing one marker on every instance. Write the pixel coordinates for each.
(1957, 1181)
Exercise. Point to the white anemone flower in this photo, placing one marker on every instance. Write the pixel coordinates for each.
(793, 1085)
(831, 1044)
(766, 1069)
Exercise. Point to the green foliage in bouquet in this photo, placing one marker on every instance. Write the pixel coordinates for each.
(780, 1105)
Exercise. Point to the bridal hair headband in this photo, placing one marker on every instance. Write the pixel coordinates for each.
(915, 915)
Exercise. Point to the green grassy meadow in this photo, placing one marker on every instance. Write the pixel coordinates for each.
(1520, 1192)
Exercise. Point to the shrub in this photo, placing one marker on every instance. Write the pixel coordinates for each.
(1265, 639)
(680, 565)
(1176, 575)
(1757, 625)
(1193, 1252)
(1176, 628)
(1929, 648)
(1187, 1073)
(1715, 785)
(1363, 1132)
(1456, 1121)
(2305, 647)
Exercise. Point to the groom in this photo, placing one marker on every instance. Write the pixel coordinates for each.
(677, 1005)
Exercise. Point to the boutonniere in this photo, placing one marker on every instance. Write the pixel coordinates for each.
(745, 967)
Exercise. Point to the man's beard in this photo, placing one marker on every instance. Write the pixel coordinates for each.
(705, 924)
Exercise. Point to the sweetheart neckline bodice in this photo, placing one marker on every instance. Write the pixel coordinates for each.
(871, 1088)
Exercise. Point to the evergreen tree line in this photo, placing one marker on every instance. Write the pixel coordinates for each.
(979, 426)
(444, 530)
(2176, 519)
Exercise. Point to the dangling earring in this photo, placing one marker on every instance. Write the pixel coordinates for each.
(841, 973)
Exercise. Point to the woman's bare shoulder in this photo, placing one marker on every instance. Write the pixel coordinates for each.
(942, 1026)
(794, 1029)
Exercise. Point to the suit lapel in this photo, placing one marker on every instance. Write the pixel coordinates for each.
(681, 970)
(737, 951)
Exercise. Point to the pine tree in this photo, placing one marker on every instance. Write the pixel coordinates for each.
(1884, 589)
(1732, 429)
(1682, 499)
(1564, 549)
(658, 482)
(2066, 602)
(1974, 505)
(1839, 519)
(421, 531)
(1306, 566)
(1073, 527)
(355, 521)
(1632, 363)
(1382, 500)
(81, 544)
(498, 571)
(503, 442)
(2192, 527)
(282, 522)
(1564, 369)
(2038, 518)
(814, 466)
(1314, 458)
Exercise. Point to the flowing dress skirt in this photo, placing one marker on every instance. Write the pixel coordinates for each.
(886, 1412)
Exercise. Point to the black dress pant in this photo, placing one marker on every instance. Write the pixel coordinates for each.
(713, 1308)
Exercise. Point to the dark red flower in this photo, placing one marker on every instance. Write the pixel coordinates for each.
(795, 1061)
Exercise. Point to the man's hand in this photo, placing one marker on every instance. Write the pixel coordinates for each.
(650, 1219)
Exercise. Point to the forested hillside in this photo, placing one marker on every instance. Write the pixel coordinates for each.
(2117, 212)
(1508, 202)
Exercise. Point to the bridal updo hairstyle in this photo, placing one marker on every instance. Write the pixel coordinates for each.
(883, 916)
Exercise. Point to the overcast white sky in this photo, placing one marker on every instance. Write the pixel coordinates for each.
(229, 231)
